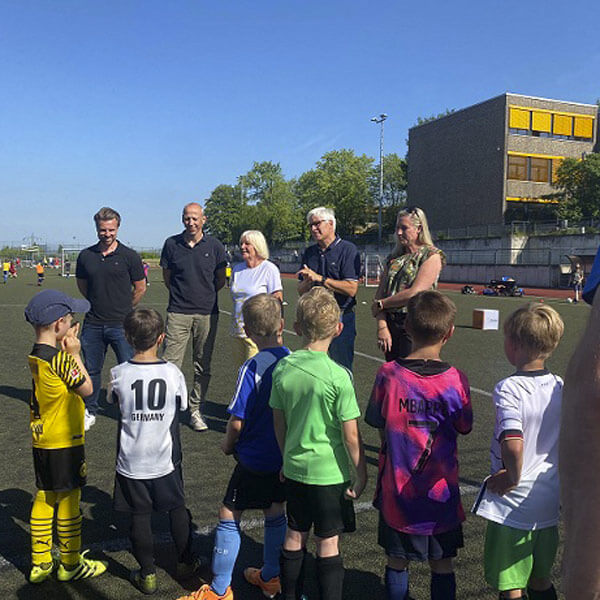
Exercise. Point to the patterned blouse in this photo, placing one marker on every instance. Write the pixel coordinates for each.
(403, 270)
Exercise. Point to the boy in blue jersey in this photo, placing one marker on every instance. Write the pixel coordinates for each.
(250, 437)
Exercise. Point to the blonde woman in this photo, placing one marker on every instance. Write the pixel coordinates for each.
(413, 266)
(256, 275)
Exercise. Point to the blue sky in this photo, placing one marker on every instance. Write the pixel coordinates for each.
(145, 105)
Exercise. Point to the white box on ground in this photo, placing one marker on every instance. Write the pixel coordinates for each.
(486, 318)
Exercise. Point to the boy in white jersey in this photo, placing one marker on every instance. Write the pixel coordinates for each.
(150, 393)
(520, 499)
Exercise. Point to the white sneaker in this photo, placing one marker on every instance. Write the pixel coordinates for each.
(89, 420)
(197, 422)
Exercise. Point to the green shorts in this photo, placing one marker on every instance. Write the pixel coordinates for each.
(513, 556)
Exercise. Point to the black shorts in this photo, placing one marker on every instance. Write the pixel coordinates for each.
(419, 547)
(145, 495)
(60, 470)
(323, 506)
(250, 489)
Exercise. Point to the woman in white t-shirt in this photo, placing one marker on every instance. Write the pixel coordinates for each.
(256, 275)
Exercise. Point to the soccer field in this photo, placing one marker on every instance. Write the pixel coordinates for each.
(206, 470)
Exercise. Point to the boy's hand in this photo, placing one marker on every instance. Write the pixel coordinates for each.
(354, 491)
(500, 483)
(281, 476)
(70, 343)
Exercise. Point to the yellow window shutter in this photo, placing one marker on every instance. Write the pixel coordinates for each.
(584, 127)
(519, 118)
(541, 121)
(563, 125)
(556, 162)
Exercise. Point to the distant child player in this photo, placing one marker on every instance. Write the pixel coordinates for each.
(39, 269)
(60, 381)
(315, 414)
(420, 404)
(5, 270)
(150, 393)
(250, 437)
(520, 499)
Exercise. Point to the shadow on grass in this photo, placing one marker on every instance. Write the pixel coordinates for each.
(15, 505)
(10, 391)
(216, 416)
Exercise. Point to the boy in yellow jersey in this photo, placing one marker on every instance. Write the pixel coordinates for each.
(59, 382)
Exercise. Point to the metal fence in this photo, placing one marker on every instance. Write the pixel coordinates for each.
(518, 228)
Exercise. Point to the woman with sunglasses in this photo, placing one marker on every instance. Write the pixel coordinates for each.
(413, 266)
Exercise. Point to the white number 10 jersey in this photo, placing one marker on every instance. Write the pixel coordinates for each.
(149, 396)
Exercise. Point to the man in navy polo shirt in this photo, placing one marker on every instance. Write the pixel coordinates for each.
(110, 275)
(193, 265)
(333, 263)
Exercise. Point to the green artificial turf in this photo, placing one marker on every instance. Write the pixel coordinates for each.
(206, 470)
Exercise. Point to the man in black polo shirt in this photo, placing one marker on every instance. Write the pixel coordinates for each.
(110, 275)
(194, 271)
(333, 263)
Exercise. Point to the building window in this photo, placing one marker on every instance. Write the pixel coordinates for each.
(517, 167)
(532, 168)
(556, 162)
(545, 123)
(540, 169)
(519, 118)
(584, 128)
(562, 125)
(541, 122)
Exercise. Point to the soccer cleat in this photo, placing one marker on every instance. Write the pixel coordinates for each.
(205, 593)
(40, 573)
(269, 588)
(89, 420)
(146, 585)
(197, 422)
(185, 570)
(86, 568)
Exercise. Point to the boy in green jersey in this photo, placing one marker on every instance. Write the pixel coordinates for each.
(315, 416)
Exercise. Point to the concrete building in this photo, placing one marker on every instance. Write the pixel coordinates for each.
(494, 162)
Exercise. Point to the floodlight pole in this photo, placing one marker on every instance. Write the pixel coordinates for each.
(380, 119)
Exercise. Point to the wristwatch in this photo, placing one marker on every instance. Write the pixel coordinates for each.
(380, 304)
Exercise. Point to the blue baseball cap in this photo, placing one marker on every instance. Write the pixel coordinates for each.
(48, 306)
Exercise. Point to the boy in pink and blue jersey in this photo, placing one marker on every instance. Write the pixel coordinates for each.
(420, 404)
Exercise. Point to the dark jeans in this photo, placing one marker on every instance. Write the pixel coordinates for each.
(95, 339)
(342, 347)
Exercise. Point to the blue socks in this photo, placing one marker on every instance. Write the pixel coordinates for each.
(443, 586)
(396, 584)
(275, 528)
(225, 552)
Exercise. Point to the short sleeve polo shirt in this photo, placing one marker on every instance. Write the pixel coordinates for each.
(109, 282)
(340, 260)
(192, 288)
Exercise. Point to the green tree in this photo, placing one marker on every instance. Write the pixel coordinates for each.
(578, 182)
(225, 212)
(423, 120)
(340, 180)
(274, 207)
(395, 173)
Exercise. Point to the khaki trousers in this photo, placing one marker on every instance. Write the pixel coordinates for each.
(203, 329)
